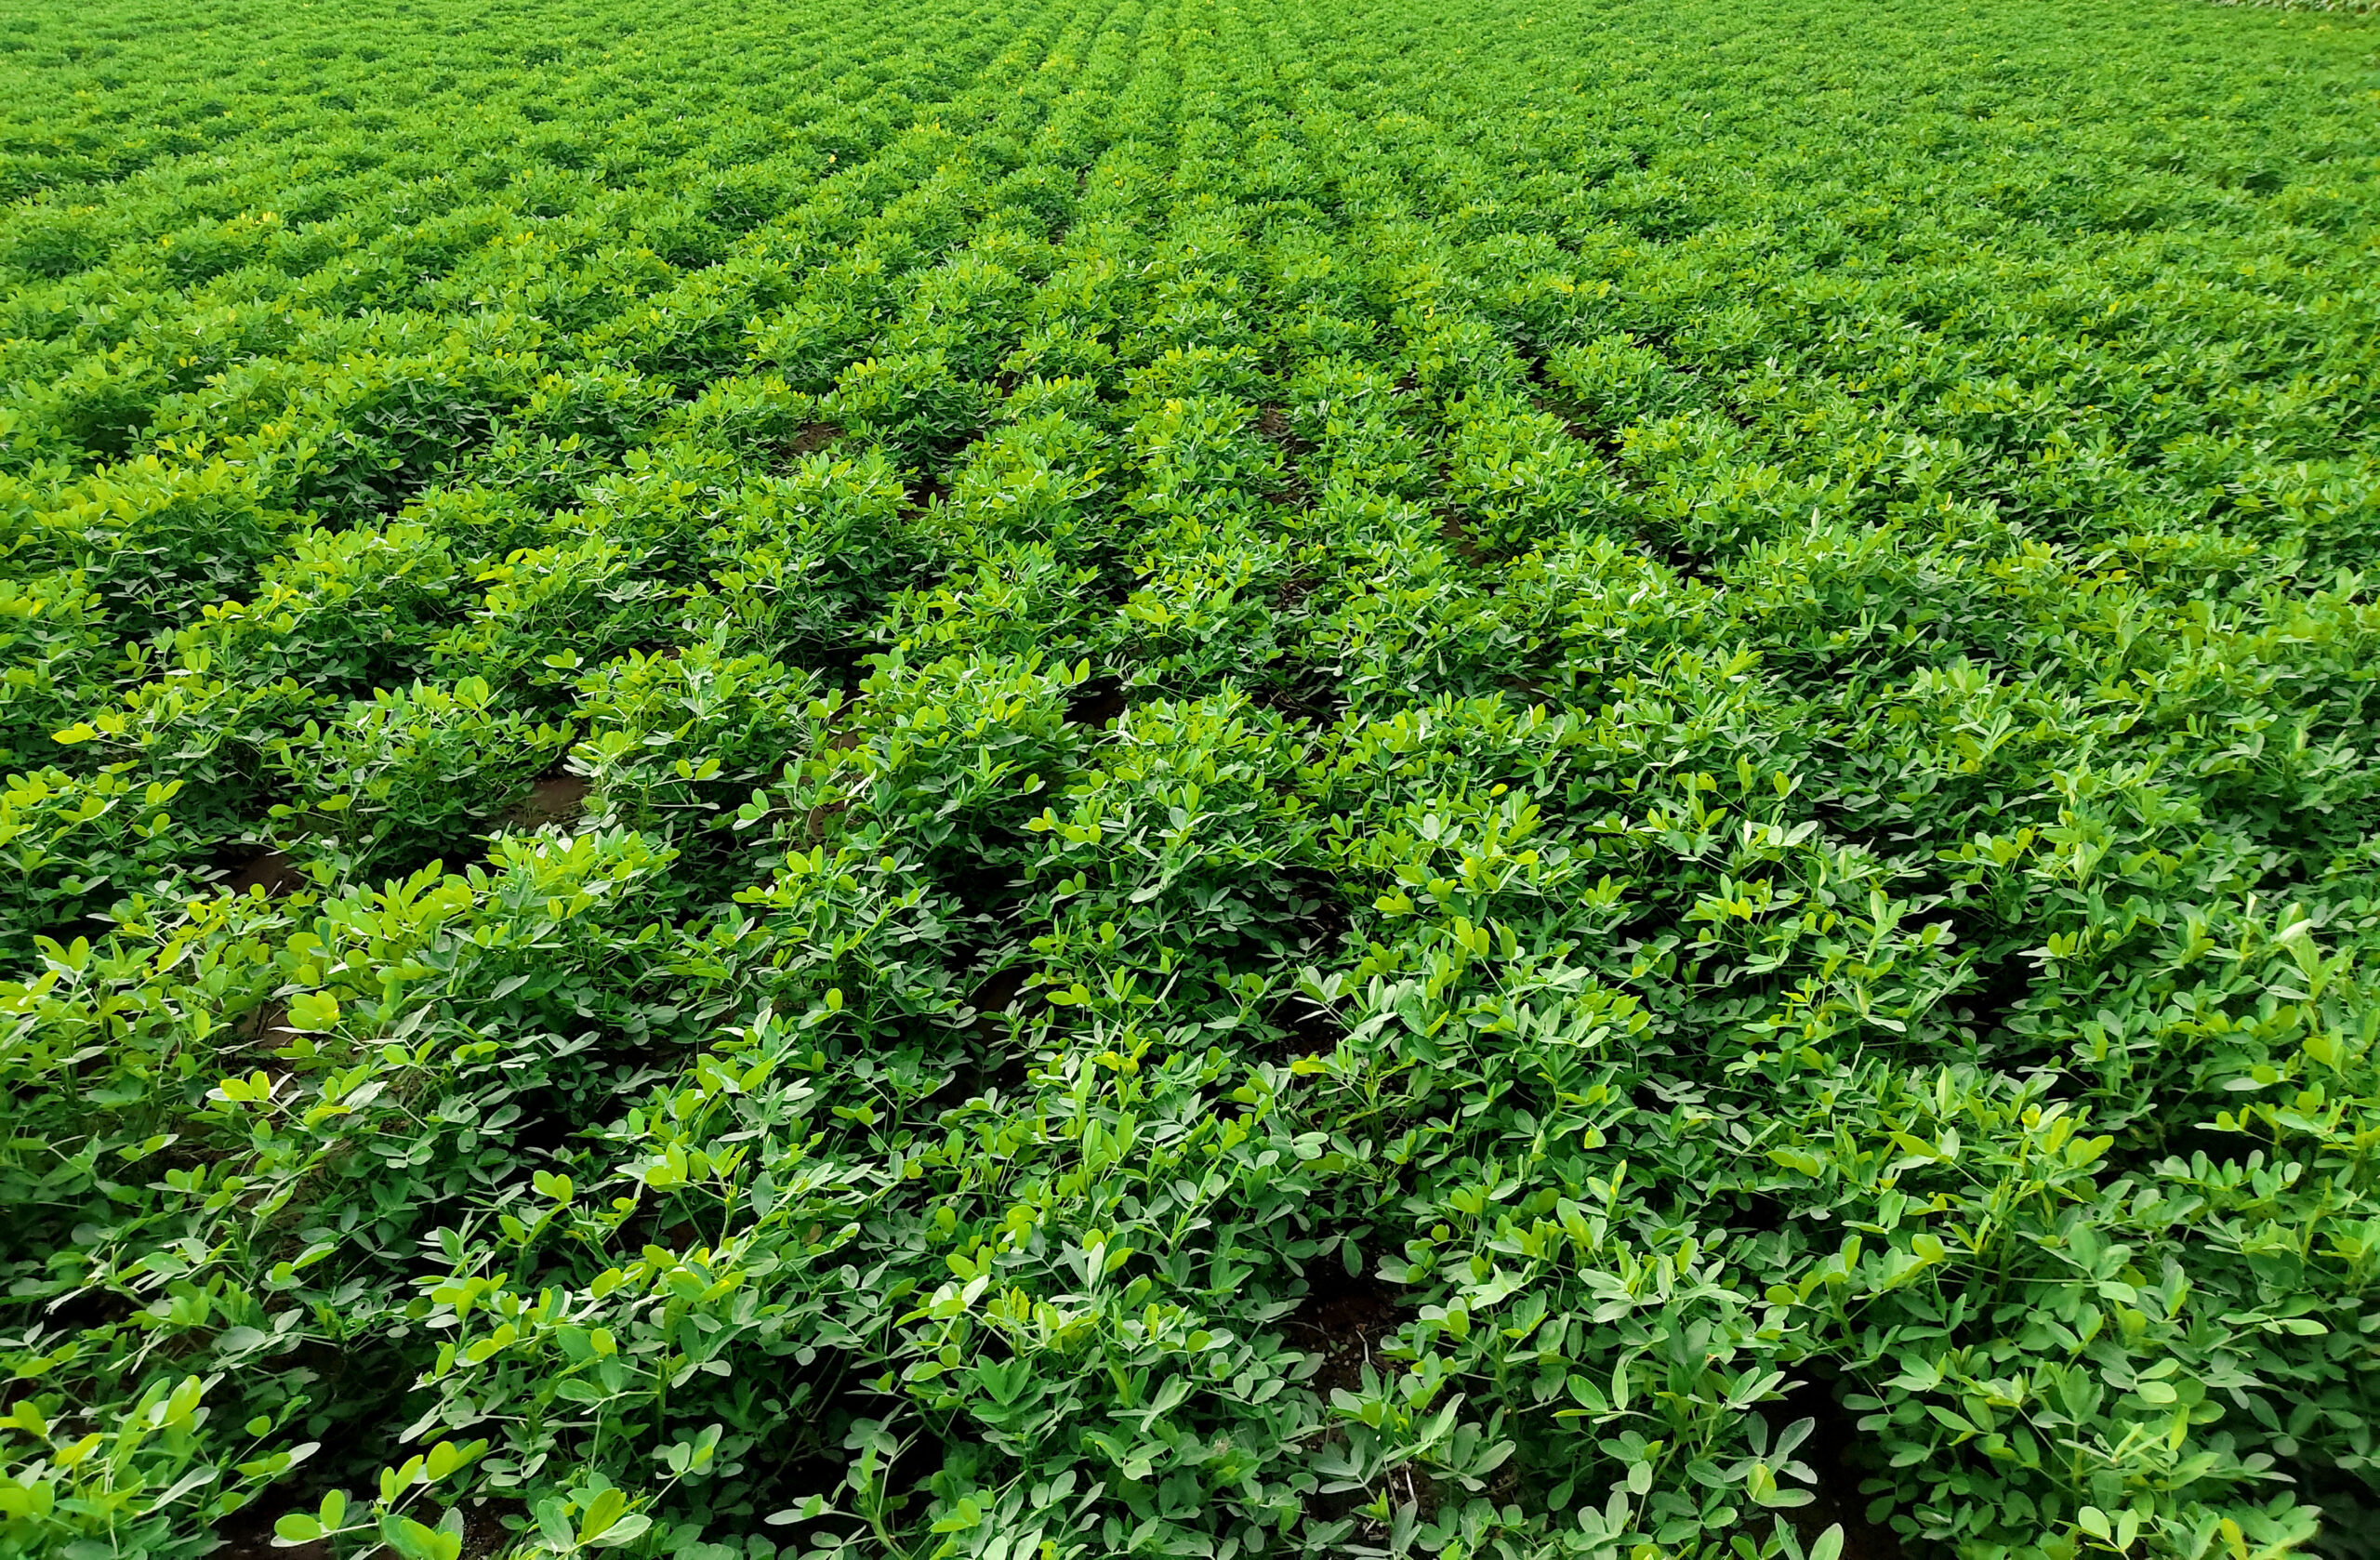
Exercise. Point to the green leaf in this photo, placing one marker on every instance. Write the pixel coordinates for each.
(296, 1527)
(314, 1011)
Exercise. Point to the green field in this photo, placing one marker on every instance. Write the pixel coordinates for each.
(1049, 779)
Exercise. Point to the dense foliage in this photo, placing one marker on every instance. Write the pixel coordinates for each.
(1189, 777)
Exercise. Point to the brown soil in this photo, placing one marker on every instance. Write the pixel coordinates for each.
(813, 438)
(1096, 703)
(270, 870)
(263, 1027)
(552, 799)
(1831, 1454)
(1457, 537)
(1274, 426)
(1309, 1030)
(1345, 1320)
